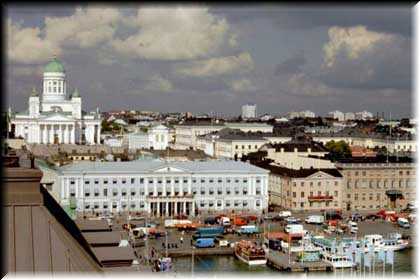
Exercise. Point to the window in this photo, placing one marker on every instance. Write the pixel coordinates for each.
(105, 206)
(236, 180)
(249, 147)
(185, 181)
(114, 181)
(168, 181)
(363, 173)
(114, 206)
(142, 192)
(115, 192)
(203, 191)
(96, 192)
(219, 180)
(211, 203)
(194, 191)
(72, 194)
(203, 181)
(105, 192)
(311, 193)
(123, 181)
(258, 180)
(294, 184)
(335, 193)
(227, 203)
(227, 191)
(294, 194)
(159, 181)
(219, 203)
(194, 180)
(256, 147)
(150, 181)
(356, 173)
(311, 184)
(87, 182)
(176, 181)
(211, 191)
(243, 147)
(132, 180)
(335, 183)
(72, 182)
(133, 205)
(133, 192)
(302, 204)
(302, 194)
(87, 206)
(96, 182)
(302, 184)
(258, 190)
(202, 204)
(258, 203)
(408, 173)
(245, 203)
(236, 146)
(141, 180)
(319, 184)
(228, 180)
(219, 191)
(245, 181)
(244, 191)
(210, 180)
(348, 195)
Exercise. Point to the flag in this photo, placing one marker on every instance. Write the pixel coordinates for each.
(354, 246)
(349, 254)
(381, 255)
(358, 257)
(390, 257)
(367, 259)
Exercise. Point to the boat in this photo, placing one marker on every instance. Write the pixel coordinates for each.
(250, 253)
(337, 260)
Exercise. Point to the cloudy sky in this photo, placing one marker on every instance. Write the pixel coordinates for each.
(216, 58)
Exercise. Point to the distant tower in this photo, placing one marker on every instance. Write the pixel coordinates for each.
(249, 111)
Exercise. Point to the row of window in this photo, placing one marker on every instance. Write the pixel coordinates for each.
(115, 192)
(378, 184)
(243, 147)
(302, 194)
(201, 204)
(316, 203)
(363, 173)
(311, 184)
(159, 181)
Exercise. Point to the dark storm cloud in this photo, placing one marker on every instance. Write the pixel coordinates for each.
(291, 65)
(392, 19)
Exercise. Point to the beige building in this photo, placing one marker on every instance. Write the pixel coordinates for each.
(296, 155)
(305, 189)
(367, 182)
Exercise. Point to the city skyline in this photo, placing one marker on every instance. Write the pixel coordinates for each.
(281, 58)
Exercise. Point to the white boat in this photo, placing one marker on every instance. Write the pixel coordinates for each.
(338, 261)
(379, 243)
(249, 253)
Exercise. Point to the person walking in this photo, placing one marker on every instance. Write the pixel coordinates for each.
(182, 239)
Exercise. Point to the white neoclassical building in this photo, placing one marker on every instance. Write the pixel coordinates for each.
(156, 137)
(164, 188)
(56, 117)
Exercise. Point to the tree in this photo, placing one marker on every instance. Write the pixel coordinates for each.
(338, 149)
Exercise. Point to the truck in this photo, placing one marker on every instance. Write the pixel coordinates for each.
(293, 228)
(209, 232)
(314, 219)
(403, 222)
(224, 221)
(239, 221)
(171, 223)
(252, 229)
(204, 243)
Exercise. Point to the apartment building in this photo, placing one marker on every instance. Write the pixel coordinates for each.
(370, 183)
(306, 189)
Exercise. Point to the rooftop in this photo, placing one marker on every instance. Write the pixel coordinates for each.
(150, 166)
(297, 173)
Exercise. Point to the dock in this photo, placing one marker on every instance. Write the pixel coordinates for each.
(280, 261)
(200, 252)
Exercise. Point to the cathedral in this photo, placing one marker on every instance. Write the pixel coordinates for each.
(56, 117)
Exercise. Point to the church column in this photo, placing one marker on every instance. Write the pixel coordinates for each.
(60, 134)
(98, 134)
(52, 132)
(72, 133)
(184, 208)
(66, 134)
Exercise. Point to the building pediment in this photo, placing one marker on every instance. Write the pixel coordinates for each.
(57, 117)
(168, 169)
(320, 175)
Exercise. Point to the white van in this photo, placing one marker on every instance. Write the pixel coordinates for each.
(314, 219)
(225, 221)
(285, 214)
(293, 228)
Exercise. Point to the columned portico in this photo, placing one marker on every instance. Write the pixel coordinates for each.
(171, 206)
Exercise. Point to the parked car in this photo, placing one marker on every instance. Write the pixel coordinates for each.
(403, 222)
(293, 228)
(356, 217)
(353, 227)
(285, 214)
(292, 220)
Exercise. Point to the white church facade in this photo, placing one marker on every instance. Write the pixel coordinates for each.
(56, 117)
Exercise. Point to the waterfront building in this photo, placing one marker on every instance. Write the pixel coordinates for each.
(155, 137)
(302, 114)
(164, 188)
(56, 117)
(364, 115)
(249, 111)
(305, 189)
(368, 182)
(336, 115)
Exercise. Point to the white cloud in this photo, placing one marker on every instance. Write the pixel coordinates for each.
(240, 63)
(24, 45)
(303, 85)
(242, 85)
(158, 83)
(167, 33)
(356, 57)
(86, 28)
(352, 42)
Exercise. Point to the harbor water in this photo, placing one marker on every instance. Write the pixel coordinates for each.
(226, 264)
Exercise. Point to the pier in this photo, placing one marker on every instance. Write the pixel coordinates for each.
(280, 261)
(222, 251)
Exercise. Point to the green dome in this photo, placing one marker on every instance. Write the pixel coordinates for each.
(54, 66)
